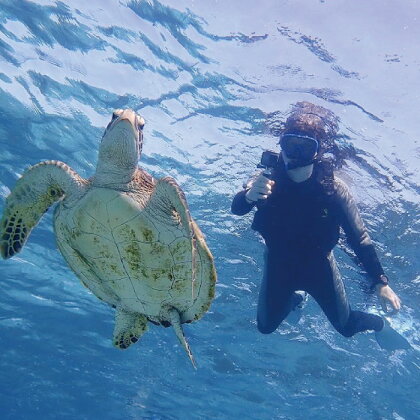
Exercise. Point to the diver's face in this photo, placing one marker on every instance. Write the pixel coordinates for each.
(300, 174)
(300, 148)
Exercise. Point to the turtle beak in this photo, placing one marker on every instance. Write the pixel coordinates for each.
(136, 121)
(120, 115)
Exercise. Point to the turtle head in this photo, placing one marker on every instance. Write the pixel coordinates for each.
(120, 148)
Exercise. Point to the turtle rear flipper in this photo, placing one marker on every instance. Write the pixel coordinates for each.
(38, 188)
(129, 327)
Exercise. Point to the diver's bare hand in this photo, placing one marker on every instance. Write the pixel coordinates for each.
(259, 188)
(388, 296)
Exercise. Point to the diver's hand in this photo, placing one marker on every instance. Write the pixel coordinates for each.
(259, 188)
(388, 296)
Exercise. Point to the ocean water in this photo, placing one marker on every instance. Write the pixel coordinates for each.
(210, 78)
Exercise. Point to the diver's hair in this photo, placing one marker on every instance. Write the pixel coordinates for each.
(316, 121)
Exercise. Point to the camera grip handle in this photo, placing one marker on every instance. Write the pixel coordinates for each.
(267, 173)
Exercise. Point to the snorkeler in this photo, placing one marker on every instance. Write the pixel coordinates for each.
(300, 209)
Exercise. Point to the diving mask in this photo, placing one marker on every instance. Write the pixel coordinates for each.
(299, 149)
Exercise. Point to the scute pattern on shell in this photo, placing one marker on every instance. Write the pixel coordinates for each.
(139, 249)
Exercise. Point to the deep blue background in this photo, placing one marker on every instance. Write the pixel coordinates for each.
(210, 78)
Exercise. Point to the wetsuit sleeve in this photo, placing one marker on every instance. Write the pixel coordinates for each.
(357, 234)
(239, 204)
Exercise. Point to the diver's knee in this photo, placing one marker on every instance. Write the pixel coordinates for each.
(265, 328)
(346, 333)
(345, 330)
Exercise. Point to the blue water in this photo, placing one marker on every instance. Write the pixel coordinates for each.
(211, 79)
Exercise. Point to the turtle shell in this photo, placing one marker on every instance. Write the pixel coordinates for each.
(137, 252)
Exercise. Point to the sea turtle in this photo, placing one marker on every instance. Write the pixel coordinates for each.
(128, 237)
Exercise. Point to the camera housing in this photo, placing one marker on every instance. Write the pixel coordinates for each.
(269, 159)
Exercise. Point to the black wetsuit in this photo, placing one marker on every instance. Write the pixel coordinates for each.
(300, 224)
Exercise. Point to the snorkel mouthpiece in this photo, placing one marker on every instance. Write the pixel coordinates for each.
(296, 163)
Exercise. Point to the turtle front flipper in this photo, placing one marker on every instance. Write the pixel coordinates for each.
(38, 188)
(129, 327)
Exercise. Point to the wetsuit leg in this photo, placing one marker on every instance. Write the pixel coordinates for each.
(327, 288)
(276, 298)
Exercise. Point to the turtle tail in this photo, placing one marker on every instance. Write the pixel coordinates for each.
(38, 188)
(176, 323)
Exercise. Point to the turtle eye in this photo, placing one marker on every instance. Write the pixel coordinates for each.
(140, 122)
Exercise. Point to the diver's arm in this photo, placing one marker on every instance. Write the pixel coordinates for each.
(362, 245)
(360, 241)
(357, 234)
(240, 204)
